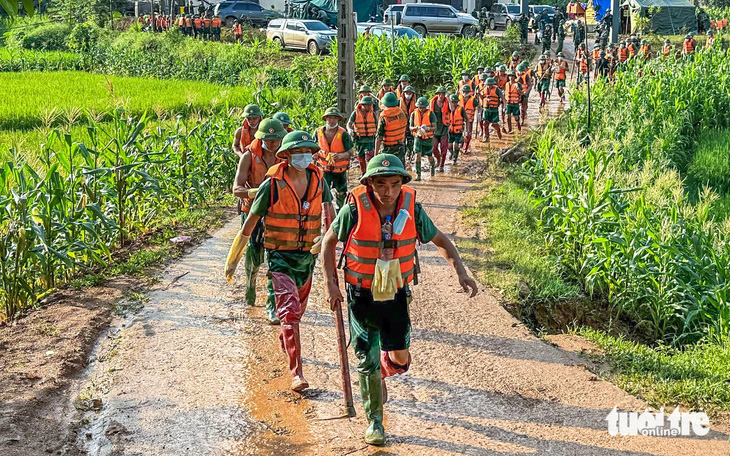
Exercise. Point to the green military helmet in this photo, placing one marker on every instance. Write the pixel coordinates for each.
(483, 76)
(480, 68)
(454, 98)
(465, 72)
(511, 73)
(667, 41)
(409, 89)
(365, 88)
(366, 100)
(502, 68)
(422, 102)
(387, 82)
(441, 89)
(404, 78)
(466, 88)
(333, 111)
(491, 81)
(489, 70)
(283, 118)
(252, 110)
(390, 100)
(296, 139)
(385, 165)
(515, 54)
(270, 130)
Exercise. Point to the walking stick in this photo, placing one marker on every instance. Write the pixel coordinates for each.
(344, 364)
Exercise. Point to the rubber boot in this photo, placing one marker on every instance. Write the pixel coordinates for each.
(418, 170)
(442, 161)
(363, 165)
(455, 156)
(432, 162)
(251, 295)
(289, 336)
(271, 304)
(372, 402)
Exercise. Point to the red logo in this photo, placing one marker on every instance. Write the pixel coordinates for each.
(386, 163)
(305, 137)
(271, 130)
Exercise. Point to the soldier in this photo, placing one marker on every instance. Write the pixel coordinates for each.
(561, 75)
(380, 228)
(335, 150)
(543, 73)
(403, 82)
(492, 99)
(513, 61)
(408, 105)
(547, 38)
(513, 95)
(524, 24)
(386, 87)
(525, 78)
(560, 34)
(245, 133)
(362, 125)
(422, 125)
(440, 108)
(285, 120)
(457, 122)
(579, 36)
(465, 79)
(469, 103)
(366, 92)
(253, 165)
(392, 125)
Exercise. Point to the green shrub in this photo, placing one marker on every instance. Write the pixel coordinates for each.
(48, 37)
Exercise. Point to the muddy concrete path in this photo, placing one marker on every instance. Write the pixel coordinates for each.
(196, 372)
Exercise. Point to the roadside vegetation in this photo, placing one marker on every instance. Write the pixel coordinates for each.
(631, 216)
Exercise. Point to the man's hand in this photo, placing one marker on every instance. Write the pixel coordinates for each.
(467, 283)
(333, 295)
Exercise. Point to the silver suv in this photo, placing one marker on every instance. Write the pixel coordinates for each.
(427, 18)
(314, 36)
(502, 15)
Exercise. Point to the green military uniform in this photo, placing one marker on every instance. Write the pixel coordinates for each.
(423, 147)
(338, 181)
(492, 114)
(560, 34)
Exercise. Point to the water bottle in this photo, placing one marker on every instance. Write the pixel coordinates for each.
(386, 254)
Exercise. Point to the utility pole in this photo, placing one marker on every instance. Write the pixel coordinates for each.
(616, 23)
(588, 74)
(346, 36)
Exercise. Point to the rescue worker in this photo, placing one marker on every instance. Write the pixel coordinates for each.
(560, 35)
(408, 105)
(543, 73)
(623, 54)
(602, 66)
(238, 32)
(645, 50)
(198, 23)
(392, 125)
(253, 165)
(595, 56)
(403, 82)
(465, 79)
(579, 36)
(189, 26)
(524, 25)
(366, 92)
(469, 103)
(361, 126)
(457, 121)
(491, 100)
(513, 95)
(285, 120)
(514, 61)
(245, 133)
(440, 108)
(335, 150)
(584, 67)
(524, 76)
(215, 25)
(380, 228)
(422, 125)
(386, 87)
(631, 47)
(293, 200)
(501, 76)
(667, 49)
(561, 76)
(478, 93)
(547, 37)
(688, 47)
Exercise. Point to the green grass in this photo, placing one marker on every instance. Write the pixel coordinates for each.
(32, 98)
(508, 249)
(695, 377)
(710, 164)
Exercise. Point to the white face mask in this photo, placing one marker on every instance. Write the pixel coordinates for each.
(408, 95)
(465, 78)
(300, 161)
(264, 146)
(254, 125)
(331, 127)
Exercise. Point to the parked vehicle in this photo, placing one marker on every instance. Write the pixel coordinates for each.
(396, 10)
(427, 18)
(501, 15)
(249, 12)
(377, 29)
(314, 36)
(536, 9)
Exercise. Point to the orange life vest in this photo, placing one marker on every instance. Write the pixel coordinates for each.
(562, 68)
(456, 121)
(525, 80)
(335, 147)
(513, 64)
(645, 52)
(623, 54)
(366, 240)
(246, 136)
(596, 54)
(216, 23)
(408, 106)
(469, 106)
(206, 23)
(237, 30)
(364, 124)
(464, 83)
(257, 172)
(584, 66)
(382, 93)
(396, 122)
(291, 224)
(423, 120)
(479, 88)
(501, 81)
(666, 50)
(542, 70)
(444, 109)
(491, 97)
(689, 46)
(188, 22)
(513, 93)
(198, 22)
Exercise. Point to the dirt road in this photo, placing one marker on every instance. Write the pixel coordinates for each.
(196, 372)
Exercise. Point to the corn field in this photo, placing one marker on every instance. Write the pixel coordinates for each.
(618, 210)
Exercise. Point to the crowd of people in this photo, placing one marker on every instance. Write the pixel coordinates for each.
(203, 26)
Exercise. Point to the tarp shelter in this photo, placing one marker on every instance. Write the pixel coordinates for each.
(666, 17)
(365, 9)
